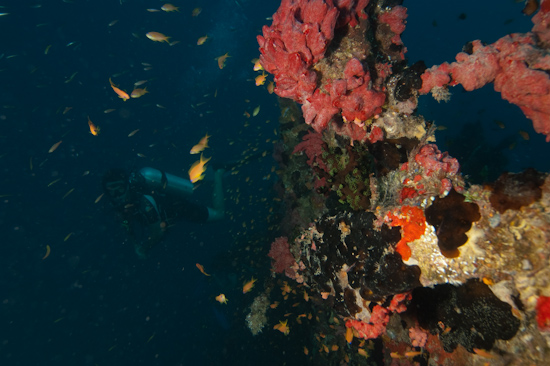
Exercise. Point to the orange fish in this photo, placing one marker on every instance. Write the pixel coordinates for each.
(201, 40)
(396, 355)
(362, 352)
(203, 144)
(349, 335)
(221, 299)
(248, 286)
(201, 268)
(157, 37)
(260, 79)
(221, 60)
(196, 172)
(137, 92)
(196, 12)
(169, 7)
(282, 327)
(121, 93)
(286, 288)
(94, 130)
(483, 353)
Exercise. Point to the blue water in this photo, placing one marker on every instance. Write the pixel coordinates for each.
(92, 301)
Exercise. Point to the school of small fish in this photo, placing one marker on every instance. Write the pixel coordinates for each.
(131, 88)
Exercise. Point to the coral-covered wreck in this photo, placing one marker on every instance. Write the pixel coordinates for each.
(381, 228)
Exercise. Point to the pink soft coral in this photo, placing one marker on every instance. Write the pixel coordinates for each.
(283, 259)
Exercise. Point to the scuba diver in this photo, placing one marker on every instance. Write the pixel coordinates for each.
(150, 200)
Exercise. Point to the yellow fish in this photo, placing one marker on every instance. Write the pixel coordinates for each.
(221, 60)
(256, 111)
(169, 7)
(257, 65)
(196, 12)
(54, 147)
(196, 172)
(203, 144)
(201, 40)
(157, 37)
(48, 251)
(138, 92)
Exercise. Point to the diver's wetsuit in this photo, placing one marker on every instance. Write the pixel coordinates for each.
(153, 199)
(166, 193)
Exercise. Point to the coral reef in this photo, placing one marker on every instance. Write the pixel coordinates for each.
(513, 191)
(256, 319)
(402, 261)
(452, 218)
(283, 260)
(327, 81)
(469, 315)
(516, 64)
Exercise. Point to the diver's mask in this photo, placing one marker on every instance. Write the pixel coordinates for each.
(117, 191)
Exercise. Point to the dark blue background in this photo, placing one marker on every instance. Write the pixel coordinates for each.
(92, 301)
